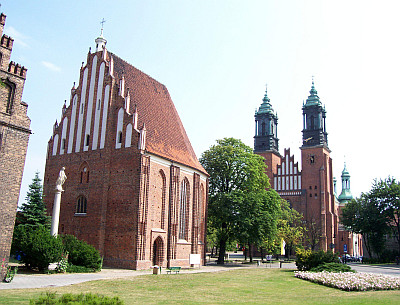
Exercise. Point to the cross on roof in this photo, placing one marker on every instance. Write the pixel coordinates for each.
(102, 23)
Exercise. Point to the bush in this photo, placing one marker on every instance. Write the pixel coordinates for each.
(332, 267)
(68, 298)
(78, 269)
(38, 247)
(81, 254)
(307, 259)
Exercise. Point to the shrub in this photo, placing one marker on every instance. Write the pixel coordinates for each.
(68, 298)
(81, 253)
(39, 248)
(307, 259)
(78, 269)
(332, 267)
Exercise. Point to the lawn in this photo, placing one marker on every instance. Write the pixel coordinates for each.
(252, 286)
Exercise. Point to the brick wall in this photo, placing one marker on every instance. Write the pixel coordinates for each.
(14, 136)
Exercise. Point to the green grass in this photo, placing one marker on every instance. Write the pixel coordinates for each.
(251, 286)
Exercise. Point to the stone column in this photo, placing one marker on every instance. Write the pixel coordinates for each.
(57, 201)
(56, 211)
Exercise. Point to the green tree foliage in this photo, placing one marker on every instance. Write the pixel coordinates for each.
(33, 211)
(81, 253)
(290, 227)
(241, 206)
(386, 195)
(38, 248)
(375, 214)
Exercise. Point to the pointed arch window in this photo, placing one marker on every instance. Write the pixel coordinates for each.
(184, 210)
(81, 205)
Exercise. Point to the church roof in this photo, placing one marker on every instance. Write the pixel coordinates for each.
(313, 98)
(166, 136)
(266, 106)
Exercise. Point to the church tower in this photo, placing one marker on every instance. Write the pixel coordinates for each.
(317, 178)
(266, 142)
(314, 128)
(266, 138)
(345, 196)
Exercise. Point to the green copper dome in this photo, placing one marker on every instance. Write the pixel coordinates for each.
(313, 98)
(345, 172)
(345, 195)
(266, 106)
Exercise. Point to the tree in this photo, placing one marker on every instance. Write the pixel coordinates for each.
(364, 216)
(313, 233)
(241, 206)
(38, 248)
(385, 194)
(290, 227)
(33, 211)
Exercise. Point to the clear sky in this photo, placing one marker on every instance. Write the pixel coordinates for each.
(215, 58)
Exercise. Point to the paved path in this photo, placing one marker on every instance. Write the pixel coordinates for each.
(24, 281)
(392, 270)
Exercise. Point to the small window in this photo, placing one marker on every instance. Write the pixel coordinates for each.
(120, 137)
(63, 144)
(310, 187)
(310, 195)
(81, 205)
(315, 196)
(87, 139)
(315, 187)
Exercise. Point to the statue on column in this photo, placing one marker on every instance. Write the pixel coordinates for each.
(61, 179)
(57, 200)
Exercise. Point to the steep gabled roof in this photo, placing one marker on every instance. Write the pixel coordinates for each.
(166, 136)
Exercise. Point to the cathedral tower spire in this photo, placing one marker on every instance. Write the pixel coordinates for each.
(266, 138)
(314, 114)
(345, 195)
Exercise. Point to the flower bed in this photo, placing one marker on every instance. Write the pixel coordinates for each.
(351, 281)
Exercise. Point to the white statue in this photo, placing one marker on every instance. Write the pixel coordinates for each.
(61, 179)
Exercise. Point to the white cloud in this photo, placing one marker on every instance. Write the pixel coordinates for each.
(18, 37)
(51, 66)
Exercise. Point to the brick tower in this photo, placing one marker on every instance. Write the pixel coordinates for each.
(135, 189)
(14, 136)
(317, 178)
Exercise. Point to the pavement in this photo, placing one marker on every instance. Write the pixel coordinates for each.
(25, 281)
(388, 269)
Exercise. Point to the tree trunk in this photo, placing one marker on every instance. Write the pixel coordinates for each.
(367, 245)
(222, 249)
(262, 254)
(250, 253)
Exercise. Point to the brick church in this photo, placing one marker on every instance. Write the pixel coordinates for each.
(135, 189)
(14, 137)
(311, 190)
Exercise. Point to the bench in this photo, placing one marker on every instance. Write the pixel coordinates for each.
(175, 269)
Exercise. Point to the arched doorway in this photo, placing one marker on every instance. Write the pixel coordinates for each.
(158, 251)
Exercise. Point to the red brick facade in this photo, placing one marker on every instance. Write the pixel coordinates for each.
(14, 136)
(135, 189)
(309, 190)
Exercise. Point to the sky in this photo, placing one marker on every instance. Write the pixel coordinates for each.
(216, 58)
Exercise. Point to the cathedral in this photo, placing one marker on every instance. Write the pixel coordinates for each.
(14, 137)
(135, 189)
(311, 190)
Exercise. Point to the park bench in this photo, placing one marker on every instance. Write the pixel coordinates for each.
(175, 269)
